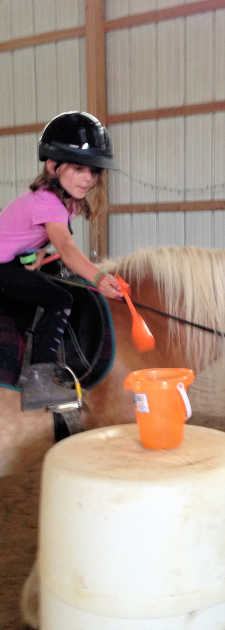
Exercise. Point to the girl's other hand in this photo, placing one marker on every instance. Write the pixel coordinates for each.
(37, 263)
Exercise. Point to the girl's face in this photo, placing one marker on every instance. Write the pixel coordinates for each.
(77, 180)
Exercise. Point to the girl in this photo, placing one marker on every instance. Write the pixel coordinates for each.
(76, 148)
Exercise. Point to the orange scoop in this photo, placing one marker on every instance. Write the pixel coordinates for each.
(141, 334)
(49, 259)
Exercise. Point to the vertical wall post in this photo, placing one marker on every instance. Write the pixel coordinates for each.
(96, 101)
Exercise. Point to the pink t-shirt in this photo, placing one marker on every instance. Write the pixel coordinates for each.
(22, 222)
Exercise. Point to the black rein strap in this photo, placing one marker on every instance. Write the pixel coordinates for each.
(180, 319)
(149, 308)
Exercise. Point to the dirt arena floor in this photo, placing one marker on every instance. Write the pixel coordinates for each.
(25, 438)
(21, 456)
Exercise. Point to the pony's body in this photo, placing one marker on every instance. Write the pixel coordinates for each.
(186, 282)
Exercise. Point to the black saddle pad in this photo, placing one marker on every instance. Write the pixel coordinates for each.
(11, 350)
(89, 340)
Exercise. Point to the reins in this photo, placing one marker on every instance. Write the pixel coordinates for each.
(144, 306)
(180, 319)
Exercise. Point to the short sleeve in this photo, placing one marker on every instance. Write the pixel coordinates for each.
(48, 208)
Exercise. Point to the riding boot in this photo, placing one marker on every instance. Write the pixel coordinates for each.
(41, 389)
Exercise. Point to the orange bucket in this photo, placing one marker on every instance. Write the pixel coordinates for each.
(162, 404)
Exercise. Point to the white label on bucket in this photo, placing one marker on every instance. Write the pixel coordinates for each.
(141, 401)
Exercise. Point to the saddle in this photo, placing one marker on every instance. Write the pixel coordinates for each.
(88, 346)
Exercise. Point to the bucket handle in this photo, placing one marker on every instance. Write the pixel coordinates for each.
(187, 404)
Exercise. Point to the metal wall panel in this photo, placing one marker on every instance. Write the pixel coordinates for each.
(120, 235)
(7, 90)
(16, 19)
(46, 81)
(118, 8)
(5, 22)
(198, 156)
(219, 44)
(24, 86)
(199, 58)
(18, 165)
(80, 227)
(21, 18)
(170, 63)
(142, 68)
(119, 182)
(7, 169)
(69, 12)
(38, 82)
(118, 71)
(168, 160)
(71, 80)
(50, 15)
(26, 161)
(219, 178)
(44, 16)
(176, 62)
(128, 232)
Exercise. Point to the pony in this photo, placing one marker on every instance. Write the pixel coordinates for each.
(180, 294)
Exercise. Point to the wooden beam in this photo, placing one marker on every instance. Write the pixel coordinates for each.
(29, 128)
(112, 119)
(160, 15)
(96, 102)
(168, 206)
(167, 112)
(42, 38)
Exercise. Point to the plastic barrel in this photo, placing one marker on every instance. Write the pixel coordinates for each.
(133, 539)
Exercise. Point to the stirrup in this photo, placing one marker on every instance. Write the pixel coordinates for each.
(40, 390)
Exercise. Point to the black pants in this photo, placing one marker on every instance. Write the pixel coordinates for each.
(33, 288)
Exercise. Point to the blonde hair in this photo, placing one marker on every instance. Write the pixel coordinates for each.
(91, 206)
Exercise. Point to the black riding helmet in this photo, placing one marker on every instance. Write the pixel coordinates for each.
(77, 137)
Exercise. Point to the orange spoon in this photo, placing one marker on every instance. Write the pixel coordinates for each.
(49, 259)
(141, 334)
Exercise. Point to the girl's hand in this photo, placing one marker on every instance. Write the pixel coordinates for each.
(109, 287)
(37, 263)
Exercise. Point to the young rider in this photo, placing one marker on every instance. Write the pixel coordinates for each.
(76, 148)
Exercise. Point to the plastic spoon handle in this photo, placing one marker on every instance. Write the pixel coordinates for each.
(49, 259)
(129, 303)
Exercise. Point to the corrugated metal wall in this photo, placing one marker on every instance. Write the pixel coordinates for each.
(36, 83)
(172, 63)
(175, 62)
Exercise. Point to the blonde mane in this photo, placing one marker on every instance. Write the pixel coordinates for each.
(191, 276)
(192, 283)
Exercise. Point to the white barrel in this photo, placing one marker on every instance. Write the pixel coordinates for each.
(133, 539)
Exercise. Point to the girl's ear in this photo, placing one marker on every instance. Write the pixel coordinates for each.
(50, 167)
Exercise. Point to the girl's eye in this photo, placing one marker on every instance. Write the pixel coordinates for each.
(96, 171)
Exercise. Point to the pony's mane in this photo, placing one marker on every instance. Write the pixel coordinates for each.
(191, 276)
(191, 280)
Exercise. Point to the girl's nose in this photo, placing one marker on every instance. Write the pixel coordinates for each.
(87, 173)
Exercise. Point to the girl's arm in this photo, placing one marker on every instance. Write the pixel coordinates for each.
(73, 258)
